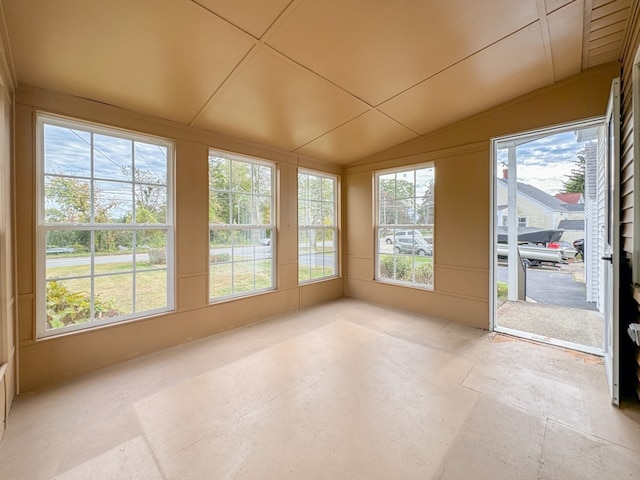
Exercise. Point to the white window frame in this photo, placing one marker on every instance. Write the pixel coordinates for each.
(42, 227)
(255, 228)
(381, 228)
(522, 221)
(314, 226)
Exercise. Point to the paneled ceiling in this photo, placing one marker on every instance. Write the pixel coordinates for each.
(335, 80)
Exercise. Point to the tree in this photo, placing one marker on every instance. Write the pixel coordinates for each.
(575, 180)
(396, 201)
(426, 205)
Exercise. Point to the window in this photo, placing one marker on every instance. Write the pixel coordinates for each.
(522, 221)
(404, 226)
(241, 225)
(104, 236)
(317, 226)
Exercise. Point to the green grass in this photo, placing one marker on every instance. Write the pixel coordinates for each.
(235, 279)
(502, 293)
(117, 287)
(306, 274)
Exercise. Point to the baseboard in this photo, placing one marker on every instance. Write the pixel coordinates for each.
(4, 401)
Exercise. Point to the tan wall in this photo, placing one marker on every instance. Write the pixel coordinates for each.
(7, 291)
(50, 360)
(461, 154)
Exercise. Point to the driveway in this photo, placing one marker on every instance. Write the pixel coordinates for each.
(562, 287)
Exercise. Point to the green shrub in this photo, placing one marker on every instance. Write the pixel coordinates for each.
(502, 290)
(65, 307)
(424, 273)
(157, 256)
(220, 258)
(396, 267)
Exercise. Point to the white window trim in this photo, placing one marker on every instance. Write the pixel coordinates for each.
(334, 227)
(42, 227)
(377, 227)
(232, 226)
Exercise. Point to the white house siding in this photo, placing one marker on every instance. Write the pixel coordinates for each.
(591, 258)
(601, 212)
(537, 214)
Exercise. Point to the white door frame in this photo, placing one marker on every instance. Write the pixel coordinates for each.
(611, 232)
(515, 140)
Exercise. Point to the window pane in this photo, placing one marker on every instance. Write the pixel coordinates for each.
(303, 212)
(406, 200)
(243, 277)
(112, 158)
(62, 144)
(113, 251)
(96, 179)
(151, 290)
(68, 302)
(220, 280)
(151, 203)
(242, 209)
(67, 200)
(220, 208)
(262, 180)
(113, 202)
(66, 253)
(240, 201)
(114, 293)
(241, 176)
(263, 210)
(328, 214)
(150, 163)
(264, 268)
(327, 190)
(151, 249)
(316, 209)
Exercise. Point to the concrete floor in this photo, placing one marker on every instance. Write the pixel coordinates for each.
(581, 327)
(345, 390)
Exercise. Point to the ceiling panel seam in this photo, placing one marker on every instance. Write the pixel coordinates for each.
(234, 73)
(458, 62)
(546, 38)
(351, 120)
(261, 43)
(284, 14)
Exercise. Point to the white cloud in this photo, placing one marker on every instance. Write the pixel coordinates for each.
(545, 163)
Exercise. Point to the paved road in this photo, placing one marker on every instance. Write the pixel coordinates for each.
(259, 252)
(552, 286)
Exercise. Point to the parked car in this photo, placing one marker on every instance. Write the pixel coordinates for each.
(413, 244)
(402, 233)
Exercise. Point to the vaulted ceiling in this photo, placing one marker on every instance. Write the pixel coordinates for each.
(336, 80)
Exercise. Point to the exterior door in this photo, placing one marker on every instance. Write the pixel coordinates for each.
(611, 240)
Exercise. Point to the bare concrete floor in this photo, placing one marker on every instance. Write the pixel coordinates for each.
(583, 327)
(345, 390)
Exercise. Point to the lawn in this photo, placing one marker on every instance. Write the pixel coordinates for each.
(114, 284)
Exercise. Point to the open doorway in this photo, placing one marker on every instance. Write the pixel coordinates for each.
(548, 222)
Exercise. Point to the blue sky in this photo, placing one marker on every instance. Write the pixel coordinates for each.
(544, 163)
(68, 152)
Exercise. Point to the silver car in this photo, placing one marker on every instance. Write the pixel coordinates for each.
(402, 233)
(414, 245)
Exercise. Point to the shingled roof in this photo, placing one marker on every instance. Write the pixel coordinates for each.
(544, 198)
(571, 224)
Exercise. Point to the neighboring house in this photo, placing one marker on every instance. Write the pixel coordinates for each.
(539, 209)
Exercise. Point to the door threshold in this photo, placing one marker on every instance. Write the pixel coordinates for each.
(550, 341)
